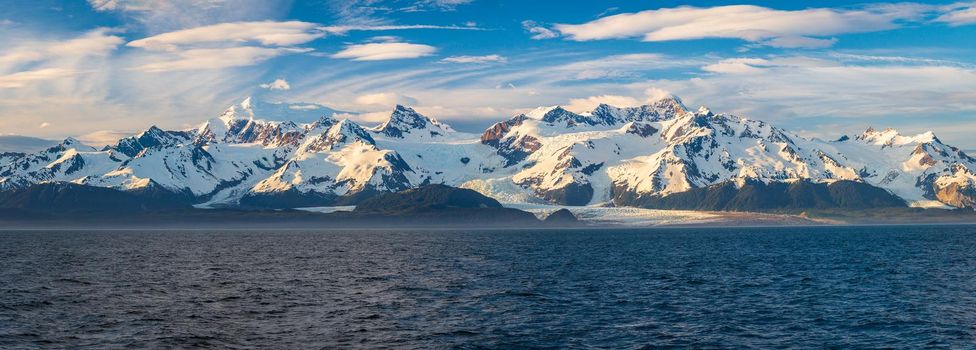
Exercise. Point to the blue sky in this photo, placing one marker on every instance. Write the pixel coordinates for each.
(102, 68)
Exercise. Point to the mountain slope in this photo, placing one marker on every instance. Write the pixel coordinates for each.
(264, 155)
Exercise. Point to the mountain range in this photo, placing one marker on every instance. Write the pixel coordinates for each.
(660, 155)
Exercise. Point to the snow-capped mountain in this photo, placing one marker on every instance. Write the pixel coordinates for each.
(259, 154)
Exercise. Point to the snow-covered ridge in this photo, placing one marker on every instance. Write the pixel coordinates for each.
(304, 155)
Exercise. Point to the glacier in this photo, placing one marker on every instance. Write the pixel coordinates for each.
(280, 155)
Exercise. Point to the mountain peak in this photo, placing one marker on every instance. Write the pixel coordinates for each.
(406, 116)
(246, 103)
(153, 130)
(539, 112)
(704, 111)
(69, 143)
(891, 137)
(671, 105)
(404, 120)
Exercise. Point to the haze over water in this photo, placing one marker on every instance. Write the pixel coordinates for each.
(909, 287)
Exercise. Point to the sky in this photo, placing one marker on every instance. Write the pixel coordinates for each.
(100, 69)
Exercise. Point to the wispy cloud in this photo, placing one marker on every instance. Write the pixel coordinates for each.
(104, 137)
(436, 5)
(224, 45)
(198, 59)
(345, 29)
(538, 31)
(755, 24)
(778, 88)
(21, 79)
(267, 33)
(384, 100)
(964, 14)
(43, 60)
(476, 59)
(384, 51)
(157, 16)
(277, 84)
(98, 42)
(376, 12)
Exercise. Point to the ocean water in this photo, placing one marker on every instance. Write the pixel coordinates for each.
(849, 287)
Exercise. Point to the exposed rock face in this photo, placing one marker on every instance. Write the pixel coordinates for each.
(957, 190)
(957, 196)
(641, 129)
(497, 132)
(406, 121)
(284, 155)
(513, 148)
(153, 137)
(571, 194)
(339, 134)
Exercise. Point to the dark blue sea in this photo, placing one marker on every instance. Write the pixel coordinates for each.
(827, 287)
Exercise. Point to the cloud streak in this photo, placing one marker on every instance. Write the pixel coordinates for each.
(157, 16)
(267, 33)
(538, 31)
(960, 16)
(224, 45)
(384, 51)
(476, 59)
(345, 29)
(779, 28)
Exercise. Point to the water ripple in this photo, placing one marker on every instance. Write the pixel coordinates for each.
(877, 287)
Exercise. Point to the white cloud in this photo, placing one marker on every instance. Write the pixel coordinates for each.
(538, 31)
(158, 16)
(98, 42)
(755, 24)
(799, 42)
(224, 45)
(377, 11)
(443, 5)
(278, 84)
(33, 61)
(266, 33)
(655, 94)
(345, 29)
(368, 117)
(384, 51)
(103, 138)
(736, 66)
(21, 79)
(959, 16)
(580, 105)
(311, 107)
(198, 59)
(44, 125)
(794, 88)
(626, 66)
(475, 59)
(651, 95)
(385, 99)
(795, 92)
(106, 5)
